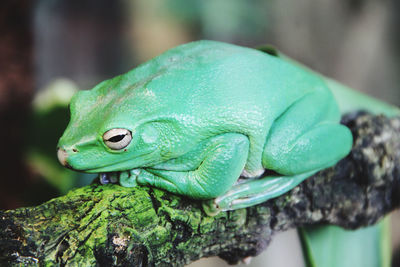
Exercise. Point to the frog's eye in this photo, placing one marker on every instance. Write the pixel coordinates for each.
(117, 138)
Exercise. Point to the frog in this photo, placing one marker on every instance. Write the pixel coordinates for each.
(227, 125)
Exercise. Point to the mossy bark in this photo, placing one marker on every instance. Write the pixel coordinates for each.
(109, 225)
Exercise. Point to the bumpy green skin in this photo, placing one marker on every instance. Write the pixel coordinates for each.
(203, 114)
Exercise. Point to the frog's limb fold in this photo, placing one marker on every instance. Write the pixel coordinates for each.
(315, 141)
(321, 147)
(216, 174)
(191, 160)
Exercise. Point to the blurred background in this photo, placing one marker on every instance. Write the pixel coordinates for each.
(49, 49)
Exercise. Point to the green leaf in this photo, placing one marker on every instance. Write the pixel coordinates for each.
(332, 246)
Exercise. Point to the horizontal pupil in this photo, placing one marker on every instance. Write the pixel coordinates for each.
(116, 138)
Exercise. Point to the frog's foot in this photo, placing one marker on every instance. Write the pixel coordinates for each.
(254, 191)
(108, 177)
(211, 208)
(125, 178)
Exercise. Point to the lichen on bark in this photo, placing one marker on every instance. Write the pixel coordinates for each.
(109, 225)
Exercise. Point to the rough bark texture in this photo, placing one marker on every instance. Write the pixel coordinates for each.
(108, 225)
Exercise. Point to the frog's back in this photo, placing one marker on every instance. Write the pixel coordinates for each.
(232, 85)
(213, 83)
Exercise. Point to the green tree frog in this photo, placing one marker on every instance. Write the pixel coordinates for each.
(208, 120)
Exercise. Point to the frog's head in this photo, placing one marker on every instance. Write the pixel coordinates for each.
(108, 132)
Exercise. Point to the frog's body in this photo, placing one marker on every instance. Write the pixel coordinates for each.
(201, 115)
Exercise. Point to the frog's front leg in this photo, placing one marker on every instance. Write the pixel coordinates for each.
(225, 158)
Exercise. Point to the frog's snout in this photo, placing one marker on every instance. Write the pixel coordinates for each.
(62, 156)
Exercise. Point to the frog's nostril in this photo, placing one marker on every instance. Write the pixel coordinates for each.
(62, 156)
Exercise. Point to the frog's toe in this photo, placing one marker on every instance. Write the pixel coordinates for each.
(211, 208)
(104, 179)
(109, 177)
(129, 178)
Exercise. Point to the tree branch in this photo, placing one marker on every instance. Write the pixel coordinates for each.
(110, 225)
